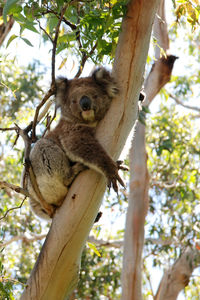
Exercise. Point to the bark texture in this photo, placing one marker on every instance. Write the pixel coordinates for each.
(139, 178)
(56, 271)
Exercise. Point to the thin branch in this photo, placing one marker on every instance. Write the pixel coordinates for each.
(55, 45)
(45, 31)
(97, 242)
(15, 188)
(7, 129)
(49, 123)
(35, 237)
(24, 238)
(13, 208)
(50, 92)
(195, 117)
(164, 185)
(182, 104)
(167, 241)
(84, 59)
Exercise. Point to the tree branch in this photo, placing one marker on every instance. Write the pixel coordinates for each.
(177, 277)
(84, 59)
(103, 243)
(24, 239)
(48, 35)
(55, 45)
(13, 208)
(182, 104)
(50, 92)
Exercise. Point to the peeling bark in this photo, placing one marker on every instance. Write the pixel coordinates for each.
(55, 274)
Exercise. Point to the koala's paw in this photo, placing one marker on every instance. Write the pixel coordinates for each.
(113, 179)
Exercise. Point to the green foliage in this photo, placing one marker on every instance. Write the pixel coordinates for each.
(6, 285)
(100, 275)
(174, 156)
(189, 9)
(90, 28)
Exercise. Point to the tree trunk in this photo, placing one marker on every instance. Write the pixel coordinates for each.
(137, 208)
(139, 178)
(55, 274)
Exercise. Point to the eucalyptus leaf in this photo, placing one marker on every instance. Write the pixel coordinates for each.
(9, 4)
(27, 41)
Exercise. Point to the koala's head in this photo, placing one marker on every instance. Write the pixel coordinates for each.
(86, 100)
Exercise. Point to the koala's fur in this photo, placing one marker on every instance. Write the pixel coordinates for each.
(66, 150)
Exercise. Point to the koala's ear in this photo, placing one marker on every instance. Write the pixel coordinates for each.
(103, 78)
(61, 89)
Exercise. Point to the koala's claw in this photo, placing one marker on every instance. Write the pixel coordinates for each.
(113, 183)
(120, 167)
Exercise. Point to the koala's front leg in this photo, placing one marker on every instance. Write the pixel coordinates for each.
(81, 146)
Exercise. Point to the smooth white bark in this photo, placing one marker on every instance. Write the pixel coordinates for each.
(139, 177)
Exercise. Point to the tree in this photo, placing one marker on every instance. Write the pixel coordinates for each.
(83, 35)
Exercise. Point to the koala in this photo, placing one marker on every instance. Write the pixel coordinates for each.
(71, 146)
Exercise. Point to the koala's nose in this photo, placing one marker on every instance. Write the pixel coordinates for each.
(85, 103)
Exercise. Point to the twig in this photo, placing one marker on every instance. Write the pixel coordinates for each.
(50, 92)
(103, 243)
(4, 279)
(182, 104)
(195, 117)
(16, 188)
(49, 123)
(16, 207)
(35, 237)
(84, 59)
(7, 129)
(27, 140)
(55, 45)
(24, 238)
(45, 31)
(164, 185)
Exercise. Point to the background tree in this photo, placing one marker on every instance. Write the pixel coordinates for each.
(172, 223)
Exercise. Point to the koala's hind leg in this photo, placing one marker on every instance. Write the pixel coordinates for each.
(47, 208)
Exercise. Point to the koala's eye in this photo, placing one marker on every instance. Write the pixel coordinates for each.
(95, 96)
